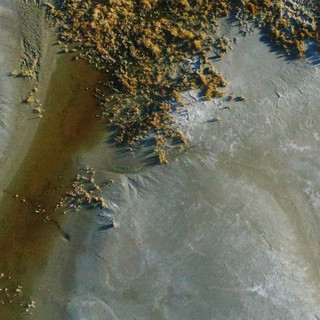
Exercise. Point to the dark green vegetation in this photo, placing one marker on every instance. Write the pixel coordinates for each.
(142, 45)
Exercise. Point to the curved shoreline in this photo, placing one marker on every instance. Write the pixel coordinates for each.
(37, 155)
(28, 218)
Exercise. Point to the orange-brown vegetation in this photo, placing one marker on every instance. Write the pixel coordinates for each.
(140, 44)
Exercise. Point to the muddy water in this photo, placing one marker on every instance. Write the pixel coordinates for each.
(68, 126)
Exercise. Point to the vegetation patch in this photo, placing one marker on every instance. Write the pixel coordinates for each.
(290, 22)
(143, 46)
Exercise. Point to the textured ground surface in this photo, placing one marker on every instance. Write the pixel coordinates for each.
(229, 230)
(23, 41)
(8, 58)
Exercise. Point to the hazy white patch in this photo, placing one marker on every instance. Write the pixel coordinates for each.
(314, 195)
(296, 147)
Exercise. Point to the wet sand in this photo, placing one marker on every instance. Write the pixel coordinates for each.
(68, 126)
(228, 230)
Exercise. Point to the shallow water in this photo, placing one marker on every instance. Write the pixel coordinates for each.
(68, 126)
(228, 230)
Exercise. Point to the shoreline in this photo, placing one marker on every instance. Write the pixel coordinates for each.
(45, 176)
(45, 164)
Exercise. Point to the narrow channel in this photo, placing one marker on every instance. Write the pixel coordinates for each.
(68, 126)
